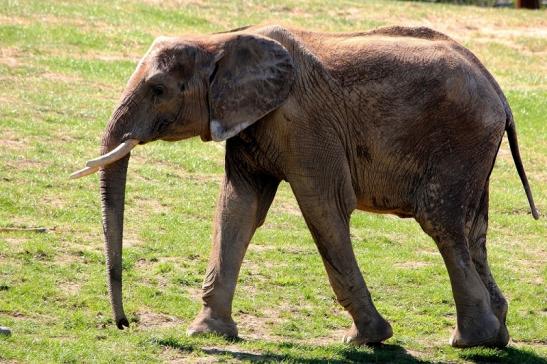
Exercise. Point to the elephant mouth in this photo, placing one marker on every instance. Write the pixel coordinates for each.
(93, 165)
(162, 125)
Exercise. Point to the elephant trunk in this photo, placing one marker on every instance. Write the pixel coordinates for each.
(112, 186)
(113, 162)
(113, 179)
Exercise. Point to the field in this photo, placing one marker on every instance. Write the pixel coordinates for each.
(63, 65)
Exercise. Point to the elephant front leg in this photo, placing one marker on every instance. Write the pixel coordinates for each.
(241, 208)
(328, 221)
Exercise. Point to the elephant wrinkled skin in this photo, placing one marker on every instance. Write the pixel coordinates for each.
(396, 120)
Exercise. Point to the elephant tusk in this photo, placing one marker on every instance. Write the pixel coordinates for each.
(118, 153)
(84, 172)
(94, 165)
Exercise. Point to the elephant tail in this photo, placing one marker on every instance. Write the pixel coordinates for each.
(509, 128)
(514, 146)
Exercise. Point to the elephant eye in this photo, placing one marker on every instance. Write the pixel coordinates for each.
(158, 90)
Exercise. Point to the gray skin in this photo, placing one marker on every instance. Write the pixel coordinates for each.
(397, 120)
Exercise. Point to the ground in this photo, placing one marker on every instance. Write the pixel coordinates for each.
(62, 67)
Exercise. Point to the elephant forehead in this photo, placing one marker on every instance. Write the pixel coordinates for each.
(180, 59)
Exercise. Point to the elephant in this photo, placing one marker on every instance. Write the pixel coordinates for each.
(396, 120)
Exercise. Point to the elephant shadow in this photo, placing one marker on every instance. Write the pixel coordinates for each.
(380, 354)
(383, 353)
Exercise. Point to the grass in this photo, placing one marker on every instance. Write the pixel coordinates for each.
(62, 67)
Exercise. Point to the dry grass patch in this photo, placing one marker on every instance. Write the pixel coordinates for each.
(286, 207)
(411, 265)
(15, 243)
(70, 288)
(48, 20)
(150, 205)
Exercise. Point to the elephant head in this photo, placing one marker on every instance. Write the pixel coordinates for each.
(212, 86)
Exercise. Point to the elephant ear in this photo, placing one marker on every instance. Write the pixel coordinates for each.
(252, 77)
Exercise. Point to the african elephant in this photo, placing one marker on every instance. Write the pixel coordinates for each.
(397, 120)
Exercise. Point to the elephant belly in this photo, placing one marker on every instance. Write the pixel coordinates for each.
(371, 207)
(387, 190)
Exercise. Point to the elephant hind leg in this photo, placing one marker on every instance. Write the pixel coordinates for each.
(445, 221)
(477, 248)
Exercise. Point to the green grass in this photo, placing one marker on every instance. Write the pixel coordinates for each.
(63, 65)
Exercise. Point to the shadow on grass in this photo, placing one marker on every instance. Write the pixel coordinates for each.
(505, 355)
(266, 352)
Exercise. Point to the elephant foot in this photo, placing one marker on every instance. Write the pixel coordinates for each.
(372, 333)
(503, 337)
(484, 332)
(206, 324)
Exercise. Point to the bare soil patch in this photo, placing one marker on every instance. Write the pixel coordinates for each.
(177, 4)
(287, 207)
(260, 248)
(131, 239)
(172, 169)
(67, 259)
(149, 264)
(251, 327)
(60, 77)
(14, 20)
(176, 356)
(194, 293)
(236, 353)
(12, 142)
(54, 201)
(153, 320)
(50, 20)
(334, 337)
(15, 242)
(70, 288)
(540, 343)
(112, 57)
(10, 56)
